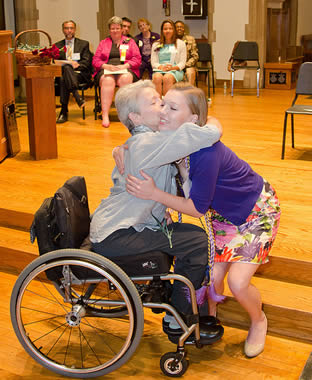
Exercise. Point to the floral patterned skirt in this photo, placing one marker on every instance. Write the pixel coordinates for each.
(250, 242)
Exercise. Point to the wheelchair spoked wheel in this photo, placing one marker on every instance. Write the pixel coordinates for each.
(77, 313)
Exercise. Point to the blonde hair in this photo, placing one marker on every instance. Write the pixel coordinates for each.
(195, 99)
(145, 20)
(114, 20)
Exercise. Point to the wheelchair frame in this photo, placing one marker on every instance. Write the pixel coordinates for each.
(80, 315)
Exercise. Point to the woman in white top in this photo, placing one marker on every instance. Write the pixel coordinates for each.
(168, 58)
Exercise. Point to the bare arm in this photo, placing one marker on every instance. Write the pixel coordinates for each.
(146, 189)
(216, 122)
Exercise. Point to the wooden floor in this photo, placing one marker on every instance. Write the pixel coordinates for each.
(253, 129)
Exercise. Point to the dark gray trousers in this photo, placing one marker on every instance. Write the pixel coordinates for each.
(190, 247)
(69, 82)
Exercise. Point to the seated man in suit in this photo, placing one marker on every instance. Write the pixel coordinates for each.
(77, 71)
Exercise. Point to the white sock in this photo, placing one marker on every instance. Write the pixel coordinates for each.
(173, 324)
(168, 318)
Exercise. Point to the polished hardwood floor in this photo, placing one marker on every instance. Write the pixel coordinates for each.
(253, 129)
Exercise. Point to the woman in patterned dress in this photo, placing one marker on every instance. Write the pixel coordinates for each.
(244, 208)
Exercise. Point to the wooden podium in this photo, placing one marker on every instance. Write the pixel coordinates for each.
(6, 86)
(41, 109)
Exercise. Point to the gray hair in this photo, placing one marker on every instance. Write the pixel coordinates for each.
(114, 20)
(126, 100)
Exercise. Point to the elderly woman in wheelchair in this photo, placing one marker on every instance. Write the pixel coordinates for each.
(79, 313)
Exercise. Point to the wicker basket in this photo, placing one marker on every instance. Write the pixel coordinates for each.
(27, 58)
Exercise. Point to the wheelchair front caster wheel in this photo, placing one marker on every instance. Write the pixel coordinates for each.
(173, 364)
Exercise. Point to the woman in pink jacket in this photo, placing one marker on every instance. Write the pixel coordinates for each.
(116, 62)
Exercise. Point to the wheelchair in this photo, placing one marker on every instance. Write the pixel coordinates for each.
(80, 314)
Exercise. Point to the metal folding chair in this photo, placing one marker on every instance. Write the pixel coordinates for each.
(205, 58)
(245, 51)
(304, 87)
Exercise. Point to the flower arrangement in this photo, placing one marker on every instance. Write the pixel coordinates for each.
(33, 54)
(53, 52)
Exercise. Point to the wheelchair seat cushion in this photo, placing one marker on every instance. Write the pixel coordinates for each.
(148, 263)
(154, 263)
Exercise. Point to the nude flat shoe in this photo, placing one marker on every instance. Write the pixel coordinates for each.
(253, 350)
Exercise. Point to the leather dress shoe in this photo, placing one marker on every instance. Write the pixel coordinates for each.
(208, 334)
(62, 118)
(81, 102)
(207, 320)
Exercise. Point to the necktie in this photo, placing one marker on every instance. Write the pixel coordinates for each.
(69, 52)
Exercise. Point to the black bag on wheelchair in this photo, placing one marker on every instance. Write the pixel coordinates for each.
(62, 221)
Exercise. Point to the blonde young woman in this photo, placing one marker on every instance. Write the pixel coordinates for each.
(244, 206)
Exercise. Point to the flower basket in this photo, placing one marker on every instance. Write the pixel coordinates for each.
(27, 57)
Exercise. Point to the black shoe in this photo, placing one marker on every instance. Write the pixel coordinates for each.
(62, 118)
(81, 102)
(207, 320)
(208, 335)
